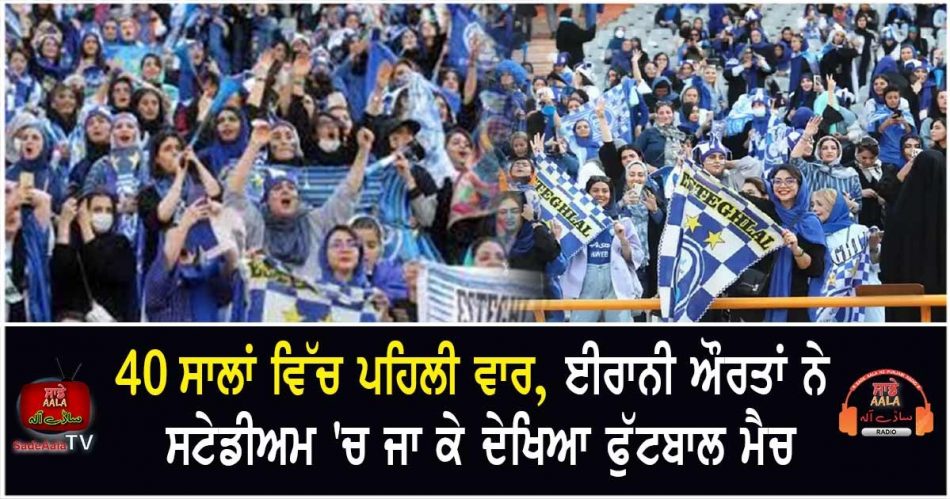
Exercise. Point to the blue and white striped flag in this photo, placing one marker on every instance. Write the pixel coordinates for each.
(565, 202)
(850, 268)
(616, 110)
(712, 235)
(467, 294)
(276, 295)
(315, 184)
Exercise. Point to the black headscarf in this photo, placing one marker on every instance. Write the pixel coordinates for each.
(914, 250)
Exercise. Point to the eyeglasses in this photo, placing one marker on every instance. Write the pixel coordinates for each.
(344, 244)
(787, 182)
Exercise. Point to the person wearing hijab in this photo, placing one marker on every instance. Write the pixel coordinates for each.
(87, 144)
(27, 225)
(838, 58)
(122, 171)
(863, 30)
(890, 122)
(647, 212)
(661, 143)
(938, 135)
(827, 172)
(606, 268)
(22, 87)
(282, 227)
(583, 144)
(231, 132)
(528, 242)
(62, 110)
(802, 60)
(35, 153)
(175, 176)
(385, 275)
(120, 94)
(799, 267)
(875, 178)
(804, 95)
(342, 265)
(97, 267)
(486, 253)
(915, 250)
(570, 38)
(183, 284)
(48, 65)
(846, 240)
(938, 110)
(149, 107)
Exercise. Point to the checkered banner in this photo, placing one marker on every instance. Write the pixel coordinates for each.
(712, 235)
(465, 294)
(316, 183)
(850, 268)
(566, 203)
(276, 295)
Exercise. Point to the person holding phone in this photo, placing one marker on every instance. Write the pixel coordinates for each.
(33, 168)
(643, 202)
(27, 223)
(890, 123)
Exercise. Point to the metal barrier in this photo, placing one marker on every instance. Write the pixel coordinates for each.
(924, 302)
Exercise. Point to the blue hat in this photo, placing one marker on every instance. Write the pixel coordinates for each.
(562, 59)
(711, 147)
(274, 178)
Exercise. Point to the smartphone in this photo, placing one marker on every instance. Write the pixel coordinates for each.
(817, 79)
(897, 115)
(26, 184)
(637, 190)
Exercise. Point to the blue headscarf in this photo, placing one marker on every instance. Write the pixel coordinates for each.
(36, 243)
(805, 224)
(220, 153)
(839, 218)
(359, 275)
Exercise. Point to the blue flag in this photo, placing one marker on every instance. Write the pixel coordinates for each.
(315, 184)
(467, 29)
(564, 202)
(377, 53)
(228, 87)
(851, 267)
(711, 236)
(616, 111)
(276, 295)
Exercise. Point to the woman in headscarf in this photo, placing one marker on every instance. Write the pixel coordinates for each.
(916, 249)
(182, 284)
(938, 110)
(846, 240)
(89, 143)
(662, 143)
(27, 224)
(799, 267)
(231, 132)
(284, 228)
(120, 94)
(804, 95)
(606, 268)
(176, 176)
(863, 30)
(342, 267)
(35, 152)
(22, 87)
(486, 253)
(149, 108)
(123, 171)
(464, 206)
(838, 58)
(528, 242)
(385, 275)
(95, 268)
(643, 202)
(583, 144)
(48, 65)
(62, 109)
(827, 172)
(91, 63)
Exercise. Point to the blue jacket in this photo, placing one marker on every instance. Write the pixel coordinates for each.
(653, 145)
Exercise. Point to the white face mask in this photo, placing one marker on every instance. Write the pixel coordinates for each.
(328, 145)
(101, 222)
(758, 112)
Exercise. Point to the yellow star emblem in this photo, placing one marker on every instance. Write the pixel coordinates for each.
(832, 279)
(692, 222)
(713, 239)
(291, 315)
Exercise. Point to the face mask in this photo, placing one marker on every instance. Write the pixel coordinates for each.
(328, 145)
(758, 112)
(618, 33)
(101, 222)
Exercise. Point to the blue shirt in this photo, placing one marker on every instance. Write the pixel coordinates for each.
(598, 250)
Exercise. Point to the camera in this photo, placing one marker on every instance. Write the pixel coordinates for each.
(414, 152)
